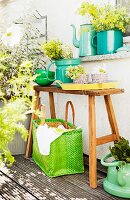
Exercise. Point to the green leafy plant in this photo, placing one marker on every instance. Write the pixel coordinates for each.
(121, 150)
(105, 18)
(16, 86)
(55, 50)
(75, 72)
(14, 111)
(12, 114)
(15, 48)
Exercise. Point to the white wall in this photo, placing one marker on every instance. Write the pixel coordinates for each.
(62, 13)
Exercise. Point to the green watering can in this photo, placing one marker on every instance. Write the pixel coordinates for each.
(117, 181)
(87, 42)
(61, 66)
(44, 77)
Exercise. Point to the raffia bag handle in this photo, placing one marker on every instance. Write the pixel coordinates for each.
(42, 107)
(66, 113)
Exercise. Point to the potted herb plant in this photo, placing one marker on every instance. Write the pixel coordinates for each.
(62, 56)
(109, 22)
(117, 181)
(78, 74)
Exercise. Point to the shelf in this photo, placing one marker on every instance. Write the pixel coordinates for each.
(105, 57)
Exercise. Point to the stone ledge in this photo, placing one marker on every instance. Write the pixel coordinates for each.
(105, 57)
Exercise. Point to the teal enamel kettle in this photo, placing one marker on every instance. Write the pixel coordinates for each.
(87, 42)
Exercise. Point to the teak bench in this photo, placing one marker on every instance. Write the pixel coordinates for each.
(93, 141)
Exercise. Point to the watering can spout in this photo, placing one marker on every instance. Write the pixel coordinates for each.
(75, 41)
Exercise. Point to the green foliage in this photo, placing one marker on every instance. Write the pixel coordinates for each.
(54, 49)
(87, 8)
(11, 59)
(121, 150)
(75, 72)
(12, 114)
(107, 17)
(16, 85)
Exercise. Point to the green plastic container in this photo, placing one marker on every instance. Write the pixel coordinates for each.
(109, 41)
(61, 66)
(66, 155)
(44, 77)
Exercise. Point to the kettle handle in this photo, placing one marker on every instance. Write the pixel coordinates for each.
(92, 41)
(111, 164)
(47, 72)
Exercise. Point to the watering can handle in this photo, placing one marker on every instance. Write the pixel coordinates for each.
(47, 72)
(111, 164)
(92, 41)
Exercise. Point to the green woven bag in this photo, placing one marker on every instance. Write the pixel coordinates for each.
(66, 155)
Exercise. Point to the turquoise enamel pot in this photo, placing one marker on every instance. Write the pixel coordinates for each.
(61, 66)
(109, 41)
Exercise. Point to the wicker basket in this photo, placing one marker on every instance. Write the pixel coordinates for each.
(99, 78)
(84, 78)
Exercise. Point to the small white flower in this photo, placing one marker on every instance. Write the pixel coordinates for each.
(12, 36)
(100, 69)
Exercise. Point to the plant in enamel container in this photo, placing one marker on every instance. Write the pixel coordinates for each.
(117, 181)
(62, 56)
(78, 74)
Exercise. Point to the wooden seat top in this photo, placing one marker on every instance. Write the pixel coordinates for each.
(54, 89)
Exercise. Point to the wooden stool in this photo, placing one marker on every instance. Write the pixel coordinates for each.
(93, 141)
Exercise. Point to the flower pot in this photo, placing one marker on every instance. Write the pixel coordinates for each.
(99, 78)
(117, 181)
(18, 145)
(43, 78)
(84, 78)
(109, 41)
(61, 66)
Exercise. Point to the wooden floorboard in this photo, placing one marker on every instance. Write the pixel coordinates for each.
(10, 190)
(27, 181)
(1, 198)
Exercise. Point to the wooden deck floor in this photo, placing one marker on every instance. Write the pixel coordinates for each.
(27, 181)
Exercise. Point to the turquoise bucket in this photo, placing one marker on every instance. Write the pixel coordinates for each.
(61, 66)
(109, 41)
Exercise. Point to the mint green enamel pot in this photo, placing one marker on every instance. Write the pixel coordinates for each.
(109, 41)
(87, 40)
(61, 66)
(117, 181)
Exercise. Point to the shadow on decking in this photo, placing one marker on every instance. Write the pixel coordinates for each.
(27, 181)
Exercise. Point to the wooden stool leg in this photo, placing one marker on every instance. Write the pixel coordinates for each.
(111, 116)
(29, 142)
(52, 105)
(92, 143)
